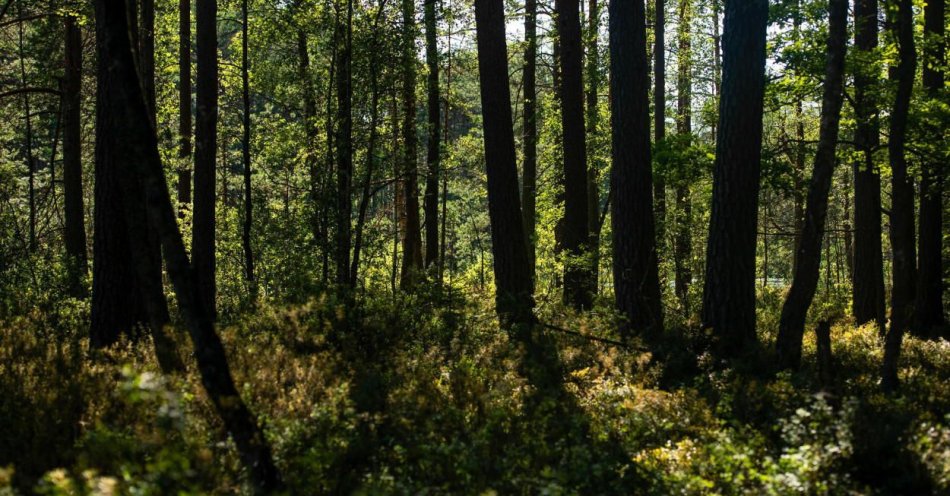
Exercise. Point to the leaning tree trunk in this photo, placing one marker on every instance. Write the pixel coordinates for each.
(137, 167)
(577, 291)
(75, 224)
(805, 281)
(729, 290)
(636, 276)
(868, 283)
(203, 235)
(902, 197)
(432, 139)
(929, 311)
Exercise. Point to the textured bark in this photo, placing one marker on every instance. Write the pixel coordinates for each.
(246, 157)
(184, 105)
(868, 284)
(683, 273)
(929, 310)
(636, 276)
(659, 112)
(593, 120)
(577, 279)
(529, 178)
(903, 249)
(206, 134)
(123, 108)
(411, 235)
(806, 271)
(729, 290)
(344, 143)
(433, 151)
(75, 224)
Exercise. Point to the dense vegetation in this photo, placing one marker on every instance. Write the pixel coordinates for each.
(457, 246)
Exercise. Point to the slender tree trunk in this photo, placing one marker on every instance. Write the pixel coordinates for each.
(434, 134)
(593, 119)
(902, 196)
(184, 105)
(529, 181)
(411, 236)
(122, 105)
(805, 281)
(683, 274)
(717, 58)
(75, 224)
(310, 131)
(203, 235)
(729, 291)
(929, 312)
(659, 113)
(147, 54)
(344, 145)
(577, 291)
(636, 275)
(246, 157)
(28, 133)
(868, 284)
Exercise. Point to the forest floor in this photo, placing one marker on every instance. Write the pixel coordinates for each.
(415, 397)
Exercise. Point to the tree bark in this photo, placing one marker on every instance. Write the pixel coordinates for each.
(203, 233)
(344, 145)
(683, 274)
(75, 224)
(901, 233)
(529, 178)
(729, 290)
(577, 291)
(636, 275)
(123, 109)
(434, 134)
(805, 280)
(659, 113)
(868, 284)
(929, 311)
(28, 133)
(246, 157)
(184, 105)
(593, 120)
(411, 235)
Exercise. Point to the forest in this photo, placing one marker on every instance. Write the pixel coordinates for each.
(474, 247)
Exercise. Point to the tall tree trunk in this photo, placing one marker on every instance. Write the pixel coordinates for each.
(28, 132)
(434, 134)
(203, 235)
(717, 58)
(659, 113)
(929, 311)
(529, 178)
(310, 130)
(577, 291)
(147, 54)
(123, 111)
(184, 105)
(868, 284)
(904, 258)
(246, 157)
(411, 235)
(344, 144)
(683, 274)
(729, 290)
(805, 281)
(75, 224)
(636, 276)
(593, 119)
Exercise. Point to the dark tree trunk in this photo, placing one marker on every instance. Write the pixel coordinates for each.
(593, 119)
(717, 57)
(529, 178)
(246, 157)
(124, 113)
(659, 113)
(636, 276)
(344, 145)
(683, 274)
(411, 235)
(729, 290)
(805, 280)
(929, 311)
(434, 134)
(75, 224)
(147, 54)
(577, 291)
(27, 132)
(206, 116)
(868, 284)
(904, 258)
(370, 157)
(184, 105)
